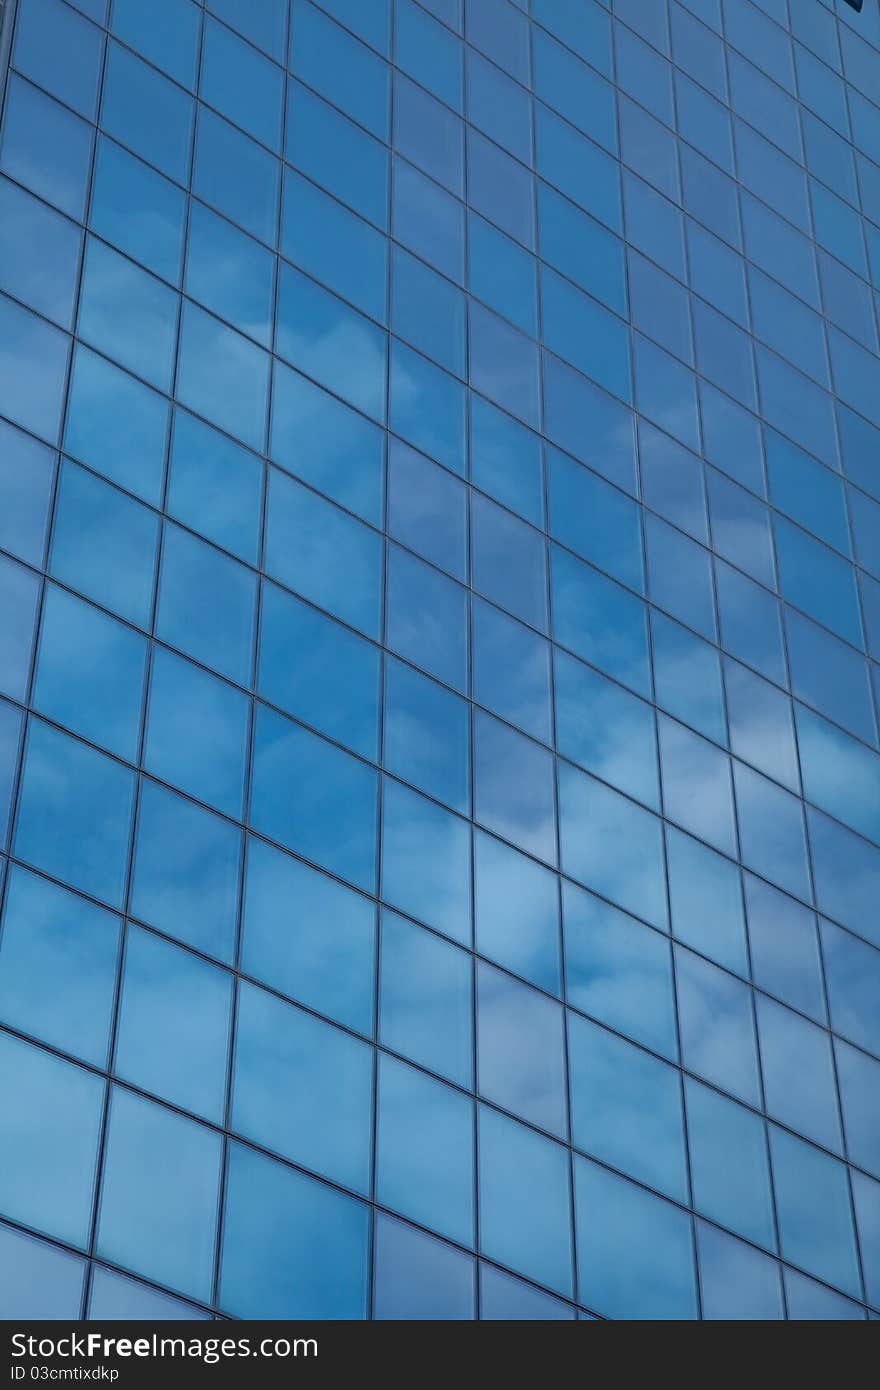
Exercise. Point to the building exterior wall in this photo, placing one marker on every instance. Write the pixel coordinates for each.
(440, 611)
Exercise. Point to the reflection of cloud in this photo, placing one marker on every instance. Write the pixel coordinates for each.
(606, 729)
(426, 862)
(626, 1107)
(345, 354)
(696, 785)
(520, 1049)
(514, 787)
(717, 1038)
(771, 831)
(840, 775)
(612, 845)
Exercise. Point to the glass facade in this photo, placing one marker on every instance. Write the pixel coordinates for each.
(440, 659)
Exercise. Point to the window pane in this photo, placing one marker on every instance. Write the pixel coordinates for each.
(292, 1247)
(158, 1209)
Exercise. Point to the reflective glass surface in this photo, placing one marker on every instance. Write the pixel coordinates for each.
(440, 659)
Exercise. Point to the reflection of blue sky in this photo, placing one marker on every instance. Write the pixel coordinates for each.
(520, 1062)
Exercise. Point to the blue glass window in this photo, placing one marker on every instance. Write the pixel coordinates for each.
(771, 831)
(158, 1211)
(729, 1165)
(516, 913)
(241, 83)
(307, 936)
(713, 1004)
(26, 473)
(635, 1251)
(49, 1125)
(740, 527)
(428, 52)
(230, 273)
(329, 148)
(163, 1045)
(736, 1282)
(425, 1152)
(223, 375)
(328, 557)
(60, 51)
(425, 999)
(626, 1108)
(687, 677)
(314, 799)
(510, 670)
(338, 67)
(761, 728)
(505, 1299)
(292, 1247)
(600, 726)
(599, 621)
(45, 146)
(428, 220)
(784, 948)
(427, 407)
(750, 626)
(144, 111)
(104, 544)
(498, 106)
(39, 253)
(302, 1088)
(680, 576)
(618, 971)
(116, 425)
(168, 37)
(334, 682)
(90, 673)
(206, 605)
(706, 900)
(428, 134)
(581, 249)
(688, 762)
(328, 444)
(525, 1201)
(793, 1050)
(427, 509)
(426, 735)
(505, 460)
(58, 959)
(186, 870)
(612, 845)
(317, 333)
(33, 360)
(19, 594)
(215, 487)
(426, 855)
(74, 813)
(138, 210)
(504, 364)
(426, 619)
(579, 169)
(815, 1216)
(518, 805)
(666, 392)
(594, 519)
(574, 90)
(427, 311)
(196, 732)
(235, 175)
(40, 1280)
(334, 245)
(417, 1277)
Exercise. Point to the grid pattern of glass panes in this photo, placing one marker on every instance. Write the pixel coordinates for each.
(440, 593)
